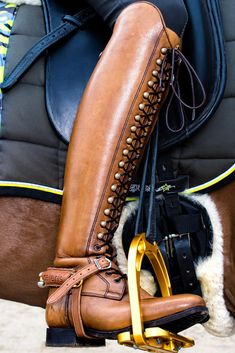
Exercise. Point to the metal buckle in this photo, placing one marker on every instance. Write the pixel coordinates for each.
(169, 242)
(96, 261)
(78, 284)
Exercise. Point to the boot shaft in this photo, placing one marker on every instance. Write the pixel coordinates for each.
(115, 119)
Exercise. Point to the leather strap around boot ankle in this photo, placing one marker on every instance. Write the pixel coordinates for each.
(75, 280)
(76, 312)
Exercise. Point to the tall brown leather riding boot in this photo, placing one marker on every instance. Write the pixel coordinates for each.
(116, 116)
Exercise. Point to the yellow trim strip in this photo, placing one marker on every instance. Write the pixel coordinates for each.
(3, 50)
(16, 184)
(201, 187)
(211, 182)
(3, 39)
(4, 28)
(10, 5)
(129, 199)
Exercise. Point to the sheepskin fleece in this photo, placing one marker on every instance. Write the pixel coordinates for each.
(146, 279)
(209, 271)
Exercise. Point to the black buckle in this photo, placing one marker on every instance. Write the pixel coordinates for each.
(169, 242)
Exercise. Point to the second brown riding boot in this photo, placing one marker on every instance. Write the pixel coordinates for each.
(115, 119)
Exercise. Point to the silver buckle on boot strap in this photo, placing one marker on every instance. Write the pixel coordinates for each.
(100, 267)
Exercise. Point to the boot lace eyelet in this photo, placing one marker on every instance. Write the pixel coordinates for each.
(108, 273)
(117, 280)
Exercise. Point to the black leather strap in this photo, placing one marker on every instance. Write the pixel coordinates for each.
(181, 227)
(70, 24)
(186, 265)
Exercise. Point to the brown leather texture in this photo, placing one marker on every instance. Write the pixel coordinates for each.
(115, 119)
(104, 152)
(57, 314)
(105, 314)
(101, 285)
(117, 313)
(76, 279)
(55, 277)
(76, 313)
(224, 200)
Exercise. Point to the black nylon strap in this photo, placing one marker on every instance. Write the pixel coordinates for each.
(69, 25)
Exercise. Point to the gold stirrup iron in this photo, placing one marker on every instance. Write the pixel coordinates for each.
(153, 339)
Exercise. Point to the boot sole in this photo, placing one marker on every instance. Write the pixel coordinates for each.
(66, 337)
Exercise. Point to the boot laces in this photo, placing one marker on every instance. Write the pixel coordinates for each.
(117, 272)
(177, 57)
(111, 254)
(168, 72)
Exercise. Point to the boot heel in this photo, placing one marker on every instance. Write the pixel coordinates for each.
(66, 337)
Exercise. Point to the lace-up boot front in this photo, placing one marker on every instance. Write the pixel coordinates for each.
(117, 114)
